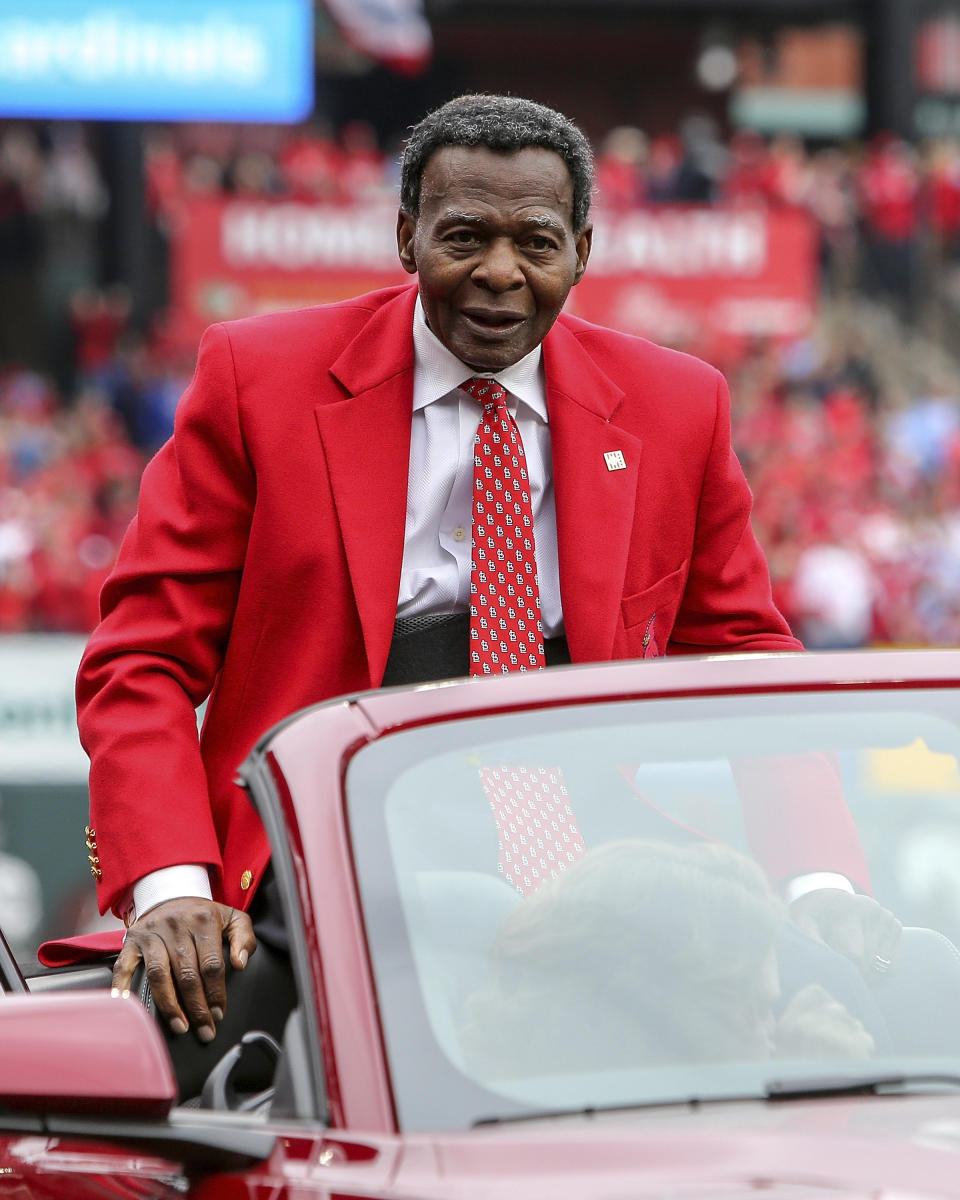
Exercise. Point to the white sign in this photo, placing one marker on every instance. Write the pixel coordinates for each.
(681, 243)
(38, 717)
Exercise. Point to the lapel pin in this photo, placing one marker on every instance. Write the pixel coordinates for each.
(615, 460)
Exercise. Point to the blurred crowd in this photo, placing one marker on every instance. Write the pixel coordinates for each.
(888, 212)
(850, 438)
(69, 475)
(851, 443)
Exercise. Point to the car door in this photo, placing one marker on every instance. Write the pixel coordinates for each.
(34, 1164)
(11, 978)
(89, 1109)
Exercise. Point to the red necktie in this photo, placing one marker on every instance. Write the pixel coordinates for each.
(505, 629)
(537, 832)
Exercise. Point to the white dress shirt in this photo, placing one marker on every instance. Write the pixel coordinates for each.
(435, 577)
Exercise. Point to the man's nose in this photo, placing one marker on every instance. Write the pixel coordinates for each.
(499, 268)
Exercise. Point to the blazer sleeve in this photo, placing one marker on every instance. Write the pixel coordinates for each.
(796, 817)
(794, 811)
(727, 602)
(166, 613)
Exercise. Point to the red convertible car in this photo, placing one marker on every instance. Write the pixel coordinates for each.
(680, 928)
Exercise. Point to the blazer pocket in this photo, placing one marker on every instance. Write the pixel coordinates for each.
(648, 616)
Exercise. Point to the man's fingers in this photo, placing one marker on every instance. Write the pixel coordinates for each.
(869, 935)
(201, 976)
(238, 930)
(190, 982)
(157, 967)
(845, 934)
(143, 946)
(807, 923)
(882, 943)
(181, 943)
(855, 926)
(888, 945)
(123, 969)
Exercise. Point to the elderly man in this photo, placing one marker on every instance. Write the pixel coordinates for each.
(437, 479)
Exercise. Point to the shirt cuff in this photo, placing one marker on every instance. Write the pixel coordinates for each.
(169, 883)
(813, 882)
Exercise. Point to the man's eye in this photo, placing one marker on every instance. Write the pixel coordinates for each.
(540, 243)
(463, 237)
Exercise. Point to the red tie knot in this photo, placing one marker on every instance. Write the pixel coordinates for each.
(488, 392)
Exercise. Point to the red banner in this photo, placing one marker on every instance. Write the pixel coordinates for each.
(704, 279)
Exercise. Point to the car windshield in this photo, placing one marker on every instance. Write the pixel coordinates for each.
(655, 901)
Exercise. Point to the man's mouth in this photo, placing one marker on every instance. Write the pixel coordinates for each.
(493, 320)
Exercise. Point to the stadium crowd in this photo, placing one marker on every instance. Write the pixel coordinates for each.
(850, 438)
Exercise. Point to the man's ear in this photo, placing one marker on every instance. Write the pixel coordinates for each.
(406, 227)
(583, 243)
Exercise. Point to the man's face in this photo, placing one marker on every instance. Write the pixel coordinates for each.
(495, 250)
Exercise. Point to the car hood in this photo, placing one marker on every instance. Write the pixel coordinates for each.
(879, 1147)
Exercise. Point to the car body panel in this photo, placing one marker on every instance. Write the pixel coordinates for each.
(866, 1146)
(396, 708)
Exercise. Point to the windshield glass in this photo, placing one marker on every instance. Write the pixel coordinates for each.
(649, 901)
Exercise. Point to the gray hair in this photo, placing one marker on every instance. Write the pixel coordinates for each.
(504, 123)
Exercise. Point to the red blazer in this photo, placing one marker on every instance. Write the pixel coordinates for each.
(264, 562)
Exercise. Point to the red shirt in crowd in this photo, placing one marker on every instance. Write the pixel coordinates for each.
(890, 191)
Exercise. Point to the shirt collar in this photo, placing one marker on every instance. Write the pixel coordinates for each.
(437, 371)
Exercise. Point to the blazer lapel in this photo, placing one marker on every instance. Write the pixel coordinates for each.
(366, 440)
(595, 497)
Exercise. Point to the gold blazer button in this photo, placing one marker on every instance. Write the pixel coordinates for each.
(245, 880)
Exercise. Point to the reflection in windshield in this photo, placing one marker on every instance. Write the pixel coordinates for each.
(645, 952)
(638, 902)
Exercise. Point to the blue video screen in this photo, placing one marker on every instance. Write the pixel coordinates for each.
(167, 60)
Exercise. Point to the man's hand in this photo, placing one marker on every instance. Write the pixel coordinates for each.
(855, 926)
(815, 1025)
(181, 945)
